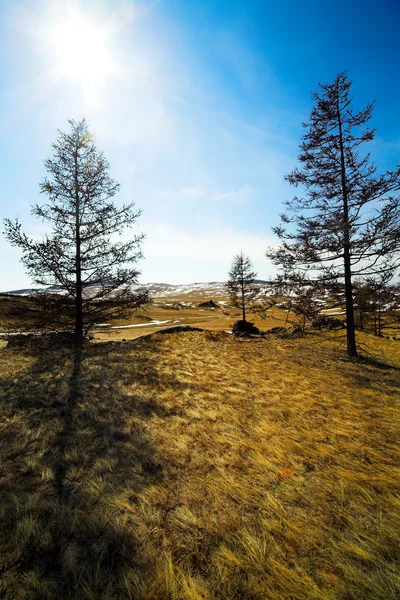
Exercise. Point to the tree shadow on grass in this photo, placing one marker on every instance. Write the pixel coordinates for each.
(76, 455)
(374, 374)
(377, 364)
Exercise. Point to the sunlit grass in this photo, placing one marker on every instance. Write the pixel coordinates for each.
(196, 466)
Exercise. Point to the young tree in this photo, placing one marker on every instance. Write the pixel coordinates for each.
(381, 297)
(362, 303)
(240, 285)
(297, 296)
(392, 312)
(343, 227)
(81, 254)
(301, 301)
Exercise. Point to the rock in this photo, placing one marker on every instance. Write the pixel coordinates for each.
(327, 322)
(277, 330)
(216, 336)
(208, 304)
(284, 331)
(295, 330)
(21, 339)
(244, 328)
(177, 329)
(51, 338)
(290, 332)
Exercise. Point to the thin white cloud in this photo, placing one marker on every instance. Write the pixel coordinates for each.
(166, 241)
(194, 193)
(188, 193)
(241, 195)
(183, 256)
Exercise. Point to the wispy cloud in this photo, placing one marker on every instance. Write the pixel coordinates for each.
(240, 195)
(195, 193)
(202, 256)
(165, 240)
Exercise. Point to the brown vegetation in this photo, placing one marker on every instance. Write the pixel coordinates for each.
(197, 466)
(180, 310)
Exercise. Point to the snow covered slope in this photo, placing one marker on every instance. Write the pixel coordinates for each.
(157, 290)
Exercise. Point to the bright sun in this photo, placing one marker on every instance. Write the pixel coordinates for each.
(81, 51)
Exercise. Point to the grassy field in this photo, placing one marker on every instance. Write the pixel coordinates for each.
(163, 312)
(196, 466)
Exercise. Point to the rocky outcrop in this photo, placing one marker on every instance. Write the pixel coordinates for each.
(326, 322)
(208, 304)
(245, 328)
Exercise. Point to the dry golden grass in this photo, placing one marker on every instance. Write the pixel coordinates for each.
(214, 319)
(196, 466)
(168, 310)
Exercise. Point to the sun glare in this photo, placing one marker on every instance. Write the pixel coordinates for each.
(81, 51)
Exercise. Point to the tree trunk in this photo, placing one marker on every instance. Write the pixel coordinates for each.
(379, 321)
(350, 325)
(78, 266)
(243, 307)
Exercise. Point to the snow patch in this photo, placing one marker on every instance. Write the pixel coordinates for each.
(141, 325)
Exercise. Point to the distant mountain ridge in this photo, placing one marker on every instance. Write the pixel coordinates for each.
(155, 289)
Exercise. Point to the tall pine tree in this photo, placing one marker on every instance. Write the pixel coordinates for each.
(346, 224)
(82, 254)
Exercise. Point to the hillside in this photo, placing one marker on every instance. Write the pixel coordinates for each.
(155, 289)
(170, 305)
(196, 466)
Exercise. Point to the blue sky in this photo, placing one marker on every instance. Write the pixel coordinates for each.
(200, 116)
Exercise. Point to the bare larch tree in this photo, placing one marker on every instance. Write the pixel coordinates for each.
(241, 287)
(347, 223)
(84, 253)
